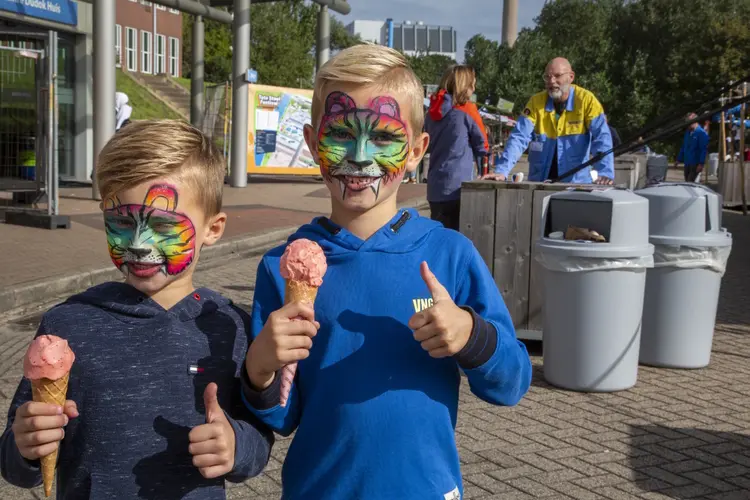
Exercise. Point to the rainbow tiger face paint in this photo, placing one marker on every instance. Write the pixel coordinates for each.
(145, 239)
(362, 148)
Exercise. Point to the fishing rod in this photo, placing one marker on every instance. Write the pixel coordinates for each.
(632, 145)
(696, 106)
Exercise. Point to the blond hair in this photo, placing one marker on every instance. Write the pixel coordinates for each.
(457, 81)
(370, 64)
(150, 149)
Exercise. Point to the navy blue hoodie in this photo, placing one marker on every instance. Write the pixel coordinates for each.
(457, 136)
(374, 413)
(136, 400)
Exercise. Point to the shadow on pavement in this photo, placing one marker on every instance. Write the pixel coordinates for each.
(682, 463)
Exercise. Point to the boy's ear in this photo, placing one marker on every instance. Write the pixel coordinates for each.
(311, 138)
(418, 150)
(215, 228)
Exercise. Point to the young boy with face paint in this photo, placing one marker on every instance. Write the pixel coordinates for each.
(405, 306)
(153, 408)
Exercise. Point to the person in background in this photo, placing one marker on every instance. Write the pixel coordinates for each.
(457, 137)
(560, 126)
(122, 110)
(644, 147)
(693, 151)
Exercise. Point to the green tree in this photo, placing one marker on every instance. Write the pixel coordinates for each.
(283, 37)
(485, 56)
(430, 67)
(218, 49)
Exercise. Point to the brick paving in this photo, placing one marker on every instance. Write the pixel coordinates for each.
(679, 434)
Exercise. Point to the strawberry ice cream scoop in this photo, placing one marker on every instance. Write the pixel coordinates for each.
(48, 357)
(304, 261)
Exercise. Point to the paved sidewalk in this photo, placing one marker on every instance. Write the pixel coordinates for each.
(676, 435)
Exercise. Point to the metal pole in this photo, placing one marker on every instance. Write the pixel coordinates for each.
(226, 117)
(50, 132)
(197, 103)
(154, 70)
(197, 8)
(104, 78)
(55, 179)
(323, 46)
(240, 65)
(742, 151)
(723, 136)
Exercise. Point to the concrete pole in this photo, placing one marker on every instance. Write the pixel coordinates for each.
(240, 65)
(323, 46)
(510, 22)
(197, 102)
(104, 78)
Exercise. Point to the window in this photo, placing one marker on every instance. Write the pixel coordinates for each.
(146, 51)
(146, 3)
(131, 49)
(160, 7)
(118, 45)
(174, 57)
(161, 52)
(174, 11)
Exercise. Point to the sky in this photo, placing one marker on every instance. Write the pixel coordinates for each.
(468, 17)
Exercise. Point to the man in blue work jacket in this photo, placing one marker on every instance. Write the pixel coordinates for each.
(561, 127)
(693, 151)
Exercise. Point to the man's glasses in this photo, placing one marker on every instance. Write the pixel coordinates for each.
(547, 77)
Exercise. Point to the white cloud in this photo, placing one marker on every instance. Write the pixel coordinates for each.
(469, 17)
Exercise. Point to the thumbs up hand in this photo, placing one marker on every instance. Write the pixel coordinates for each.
(212, 444)
(443, 329)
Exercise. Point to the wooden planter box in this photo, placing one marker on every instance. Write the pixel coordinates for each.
(503, 220)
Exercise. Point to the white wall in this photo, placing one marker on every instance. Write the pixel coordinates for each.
(368, 31)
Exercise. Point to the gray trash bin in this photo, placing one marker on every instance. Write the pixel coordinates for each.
(593, 292)
(656, 169)
(682, 290)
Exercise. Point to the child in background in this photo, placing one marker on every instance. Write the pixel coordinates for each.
(458, 142)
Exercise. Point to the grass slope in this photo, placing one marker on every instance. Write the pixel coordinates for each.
(145, 106)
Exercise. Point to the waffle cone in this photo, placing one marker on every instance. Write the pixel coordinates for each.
(53, 392)
(296, 291)
(299, 291)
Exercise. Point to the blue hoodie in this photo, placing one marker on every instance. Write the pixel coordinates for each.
(694, 147)
(136, 400)
(374, 414)
(457, 136)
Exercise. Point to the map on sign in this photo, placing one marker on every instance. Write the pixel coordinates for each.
(278, 119)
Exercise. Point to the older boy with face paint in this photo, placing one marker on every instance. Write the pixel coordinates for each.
(154, 409)
(375, 397)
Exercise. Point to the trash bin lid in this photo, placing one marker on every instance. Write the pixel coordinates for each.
(657, 161)
(685, 214)
(617, 214)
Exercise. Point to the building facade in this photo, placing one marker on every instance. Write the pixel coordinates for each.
(412, 38)
(148, 38)
(25, 26)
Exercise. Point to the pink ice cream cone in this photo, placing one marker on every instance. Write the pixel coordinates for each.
(302, 266)
(47, 365)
